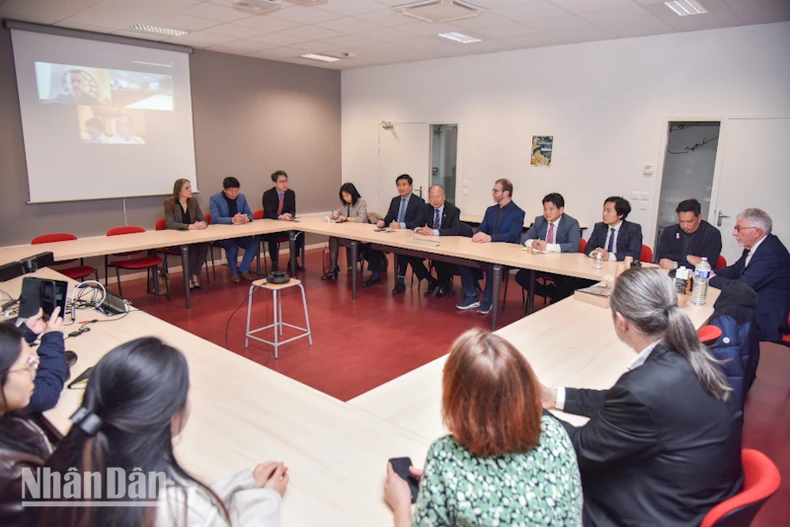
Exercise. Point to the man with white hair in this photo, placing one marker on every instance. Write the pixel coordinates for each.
(765, 266)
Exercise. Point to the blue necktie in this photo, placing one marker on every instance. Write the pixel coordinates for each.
(402, 211)
(437, 220)
(610, 245)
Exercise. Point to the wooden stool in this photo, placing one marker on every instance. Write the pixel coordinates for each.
(278, 315)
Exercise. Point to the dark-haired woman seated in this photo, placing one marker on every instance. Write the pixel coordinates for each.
(23, 445)
(504, 462)
(353, 209)
(135, 403)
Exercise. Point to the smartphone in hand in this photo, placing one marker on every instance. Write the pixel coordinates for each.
(401, 467)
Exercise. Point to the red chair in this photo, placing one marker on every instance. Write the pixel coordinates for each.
(161, 225)
(721, 262)
(75, 272)
(148, 262)
(761, 479)
(646, 255)
(582, 245)
(709, 334)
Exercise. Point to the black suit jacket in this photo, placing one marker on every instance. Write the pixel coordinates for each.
(629, 240)
(658, 450)
(415, 212)
(769, 274)
(451, 219)
(271, 202)
(706, 242)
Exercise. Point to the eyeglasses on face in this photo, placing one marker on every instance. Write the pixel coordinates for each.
(738, 228)
(32, 366)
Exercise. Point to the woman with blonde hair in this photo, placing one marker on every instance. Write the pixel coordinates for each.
(504, 462)
(182, 212)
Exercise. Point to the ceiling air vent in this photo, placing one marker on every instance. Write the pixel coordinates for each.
(257, 6)
(439, 10)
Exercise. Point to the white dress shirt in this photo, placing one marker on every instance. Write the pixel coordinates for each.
(405, 208)
(753, 249)
(433, 215)
(638, 361)
(550, 247)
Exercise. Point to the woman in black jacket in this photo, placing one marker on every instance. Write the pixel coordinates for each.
(663, 445)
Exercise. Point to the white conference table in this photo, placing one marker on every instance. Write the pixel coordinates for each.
(454, 249)
(145, 241)
(461, 251)
(570, 343)
(244, 414)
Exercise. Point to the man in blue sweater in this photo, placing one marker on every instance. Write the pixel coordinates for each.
(502, 222)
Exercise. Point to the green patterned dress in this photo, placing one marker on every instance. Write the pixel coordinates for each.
(539, 487)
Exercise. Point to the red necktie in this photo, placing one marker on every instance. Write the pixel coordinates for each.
(280, 204)
(550, 235)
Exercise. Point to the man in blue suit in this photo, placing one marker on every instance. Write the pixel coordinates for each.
(502, 222)
(230, 207)
(615, 238)
(765, 266)
(554, 232)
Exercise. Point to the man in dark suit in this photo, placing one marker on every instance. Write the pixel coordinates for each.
(406, 212)
(765, 266)
(688, 241)
(554, 232)
(502, 222)
(615, 238)
(279, 203)
(663, 445)
(442, 218)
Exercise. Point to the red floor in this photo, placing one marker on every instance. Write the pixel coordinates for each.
(359, 345)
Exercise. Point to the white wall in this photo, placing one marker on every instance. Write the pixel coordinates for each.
(605, 103)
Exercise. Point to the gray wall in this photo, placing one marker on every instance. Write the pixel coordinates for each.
(251, 117)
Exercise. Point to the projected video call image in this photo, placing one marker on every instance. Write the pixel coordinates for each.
(110, 104)
(145, 91)
(64, 84)
(120, 126)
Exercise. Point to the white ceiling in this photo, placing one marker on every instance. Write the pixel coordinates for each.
(376, 35)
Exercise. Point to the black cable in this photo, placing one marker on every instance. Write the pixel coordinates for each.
(693, 148)
(227, 325)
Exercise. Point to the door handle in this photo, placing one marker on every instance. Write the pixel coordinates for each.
(718, 220)
(419, 191)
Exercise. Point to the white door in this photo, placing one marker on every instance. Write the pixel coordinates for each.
(403, 149)
(755, 172)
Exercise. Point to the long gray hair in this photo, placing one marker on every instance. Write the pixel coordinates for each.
(647, 299)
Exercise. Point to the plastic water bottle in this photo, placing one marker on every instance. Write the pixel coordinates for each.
(699, 292)
(598, 261)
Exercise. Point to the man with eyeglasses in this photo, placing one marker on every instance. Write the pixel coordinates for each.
(502, 222)
(765, 266)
